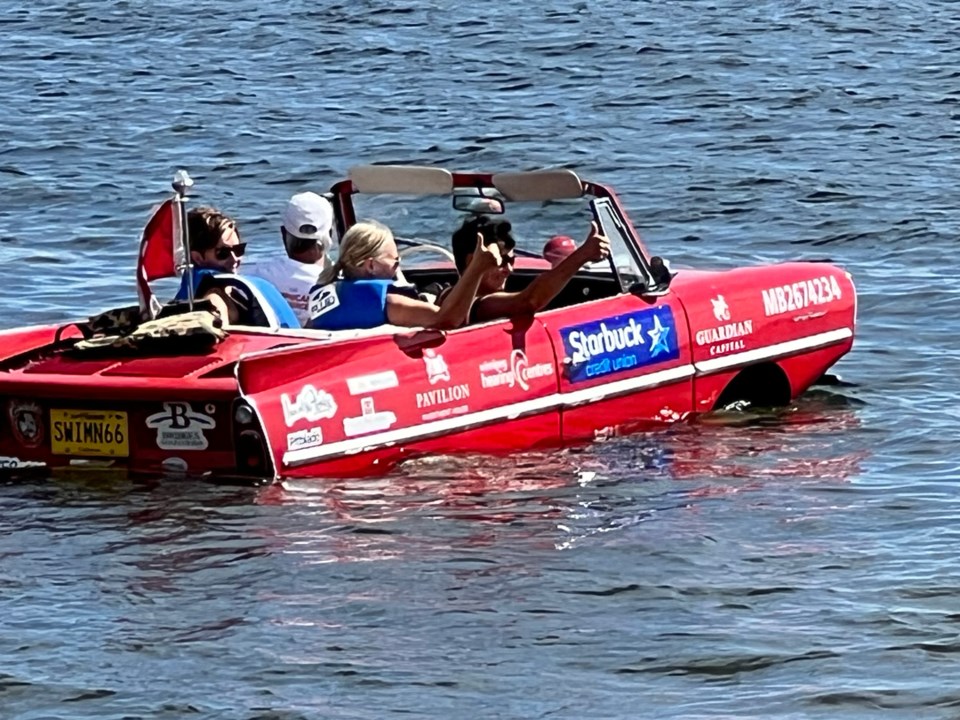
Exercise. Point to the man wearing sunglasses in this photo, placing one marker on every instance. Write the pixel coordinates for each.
(216, 252)
(215, 246)
(306, 233)
(493, 300)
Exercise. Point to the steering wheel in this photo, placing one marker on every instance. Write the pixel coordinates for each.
(427, 248)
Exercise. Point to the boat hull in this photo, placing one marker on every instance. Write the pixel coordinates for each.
(275, 404)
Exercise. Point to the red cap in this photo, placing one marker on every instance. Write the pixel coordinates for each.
(557, 248)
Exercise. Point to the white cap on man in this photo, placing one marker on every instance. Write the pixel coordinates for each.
(309, 215)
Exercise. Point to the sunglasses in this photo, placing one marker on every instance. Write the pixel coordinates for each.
(510, 259)
(222, 253)
(393, 262)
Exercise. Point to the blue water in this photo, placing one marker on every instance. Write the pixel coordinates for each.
(799, 564)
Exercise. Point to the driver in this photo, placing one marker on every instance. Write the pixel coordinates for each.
(493, 300)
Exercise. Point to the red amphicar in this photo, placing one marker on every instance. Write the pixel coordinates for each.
(628, 344)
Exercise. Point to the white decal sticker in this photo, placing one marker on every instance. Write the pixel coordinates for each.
(443, 395)
(721, 311)
(310, 404)
(12, 463)
(445, 413)
(370, 421)
(598, 343)
(437, 369)
(799, 295)
(724, 338)
(302, 439)
(365, 384)
(323, 300)
(516, 371)
(180, 428)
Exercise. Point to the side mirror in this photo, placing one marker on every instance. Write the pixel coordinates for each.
(660, 277)
(478, 204)
(660, 270)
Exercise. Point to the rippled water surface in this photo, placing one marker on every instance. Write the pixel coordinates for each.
(800, 564)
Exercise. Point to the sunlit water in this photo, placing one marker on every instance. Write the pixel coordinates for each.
(792, 564)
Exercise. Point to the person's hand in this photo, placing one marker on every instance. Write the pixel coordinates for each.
(596, 247)
(486, 256)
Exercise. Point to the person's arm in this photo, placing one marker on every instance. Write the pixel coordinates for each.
(409, 312)
(223, 305)
(545, 287)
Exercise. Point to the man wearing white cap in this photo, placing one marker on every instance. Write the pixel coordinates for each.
(306, 233)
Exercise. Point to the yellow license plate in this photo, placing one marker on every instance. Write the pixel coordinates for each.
(89, 433)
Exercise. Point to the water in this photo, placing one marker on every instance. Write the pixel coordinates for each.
(798, 564)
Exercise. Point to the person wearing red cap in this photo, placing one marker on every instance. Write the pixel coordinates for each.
(557, 248)
(493, 300)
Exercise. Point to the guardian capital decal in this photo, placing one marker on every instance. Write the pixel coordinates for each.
(620, 343)
(727, 337)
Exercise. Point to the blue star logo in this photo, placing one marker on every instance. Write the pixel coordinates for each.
(658, 337)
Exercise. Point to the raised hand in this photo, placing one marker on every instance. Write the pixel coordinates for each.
(487, 256)
(596, 247)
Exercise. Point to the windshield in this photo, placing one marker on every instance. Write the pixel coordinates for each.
(622, 253)
(433, 219)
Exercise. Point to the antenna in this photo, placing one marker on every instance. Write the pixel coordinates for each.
(182, 182)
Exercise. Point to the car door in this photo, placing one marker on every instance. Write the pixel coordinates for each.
(625, 361)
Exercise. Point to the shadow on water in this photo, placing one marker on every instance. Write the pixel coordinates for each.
(165, 528)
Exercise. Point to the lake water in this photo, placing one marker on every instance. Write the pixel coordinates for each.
(799, 564)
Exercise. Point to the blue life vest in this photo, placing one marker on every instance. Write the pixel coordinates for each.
(349, 304)
(265, 306)
(199, 275)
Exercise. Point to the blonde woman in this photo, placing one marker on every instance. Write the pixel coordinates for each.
(360, 290)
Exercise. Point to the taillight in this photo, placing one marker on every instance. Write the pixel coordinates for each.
(251, 453)
(243, 414)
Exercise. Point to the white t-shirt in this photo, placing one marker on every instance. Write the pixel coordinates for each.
(292, 278)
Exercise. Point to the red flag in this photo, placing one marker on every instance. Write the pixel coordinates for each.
(160, 253)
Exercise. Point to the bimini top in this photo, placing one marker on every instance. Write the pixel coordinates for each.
(554, 184)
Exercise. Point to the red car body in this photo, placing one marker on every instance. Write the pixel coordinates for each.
(621, 349)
